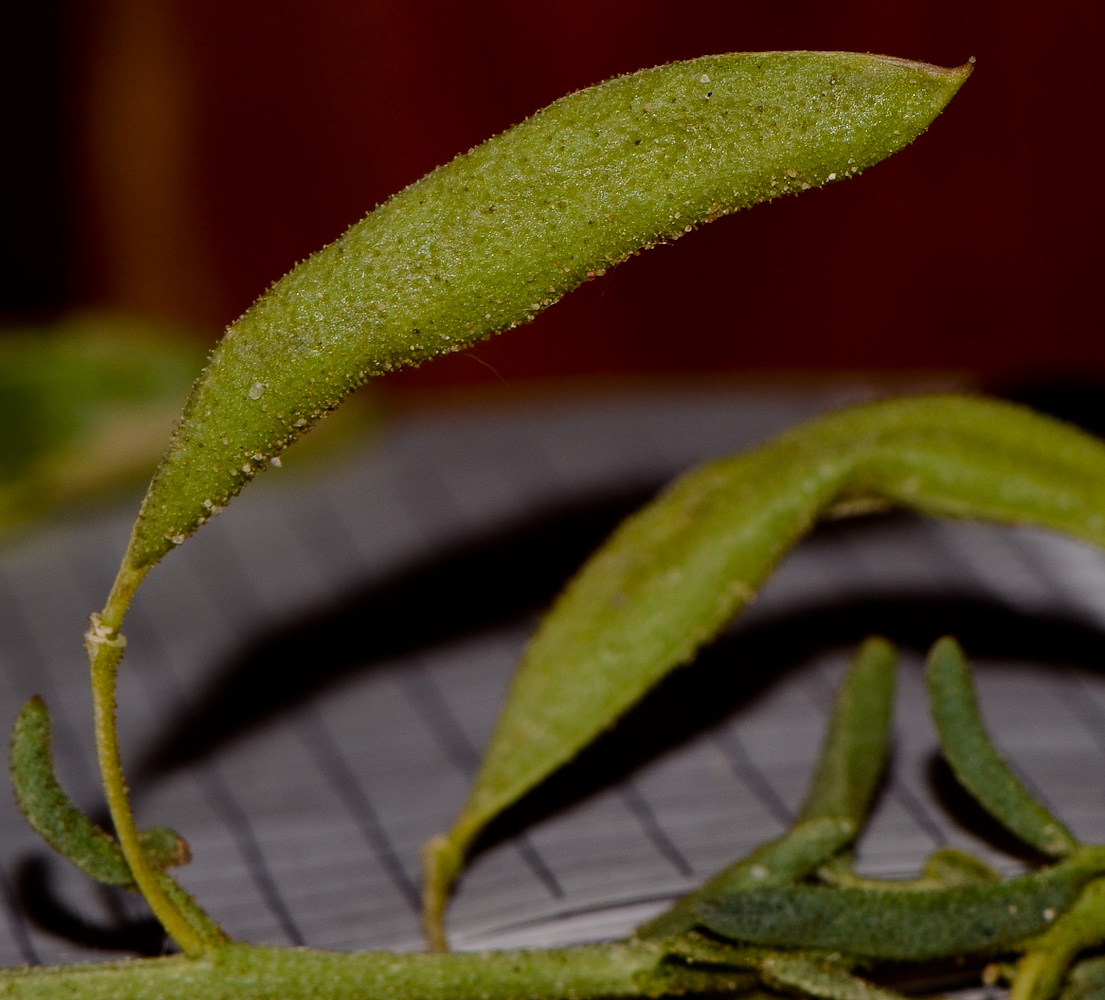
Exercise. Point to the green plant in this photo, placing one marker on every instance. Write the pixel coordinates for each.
(86, 405)
(483, 244)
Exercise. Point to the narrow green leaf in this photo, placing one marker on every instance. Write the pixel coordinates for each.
(853, 757)
(976, 762)
(851, 764)
(675, 573)
(60, 823)
(491, 239)
(791, 857)
(891, 925)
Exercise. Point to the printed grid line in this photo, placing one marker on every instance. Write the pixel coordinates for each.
(742, 765)
(332, 764)
(427, 701)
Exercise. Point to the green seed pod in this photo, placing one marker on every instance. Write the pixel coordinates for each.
(908, 926)
(60, 823)
(787, 859)
(854, 755)
(977, 763)
(500, 233)
(672, 575)
(851, 764)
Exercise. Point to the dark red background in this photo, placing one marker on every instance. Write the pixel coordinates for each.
(976, 249)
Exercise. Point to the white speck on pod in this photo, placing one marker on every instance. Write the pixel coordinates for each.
(257, 390)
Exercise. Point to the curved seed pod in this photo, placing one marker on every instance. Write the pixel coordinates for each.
(851, 764)
(791, 857)
(975, 761)
(854, 755)
(889, 925)
(60, 823)
(503, 231)
(672, 575)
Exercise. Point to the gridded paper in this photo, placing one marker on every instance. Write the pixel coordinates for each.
(310, 681)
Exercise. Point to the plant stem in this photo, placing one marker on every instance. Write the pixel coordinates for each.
(105, 645)
(239, 971)
(122, 590)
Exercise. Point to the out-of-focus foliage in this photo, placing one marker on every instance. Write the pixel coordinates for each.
(87, 405)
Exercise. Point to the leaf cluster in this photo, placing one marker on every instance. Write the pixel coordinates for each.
(486, 243)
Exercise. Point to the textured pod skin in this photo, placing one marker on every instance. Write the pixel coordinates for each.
(852, 761)
(503, 231)
(61, 824)
(904, 926)
(787, 859)
(857, 743)
(975, 760)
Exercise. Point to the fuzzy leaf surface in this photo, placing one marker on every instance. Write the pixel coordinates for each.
(492, 238)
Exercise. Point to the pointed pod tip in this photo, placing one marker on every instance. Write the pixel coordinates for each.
(32, 725)
(947, 645)
(946, 661)
(878, 644)
(955, 76)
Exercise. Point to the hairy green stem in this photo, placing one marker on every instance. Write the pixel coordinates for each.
(239, 971)
(122, 591)
(105, 647)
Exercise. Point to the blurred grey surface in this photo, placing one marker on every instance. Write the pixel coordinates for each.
(310, 680)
